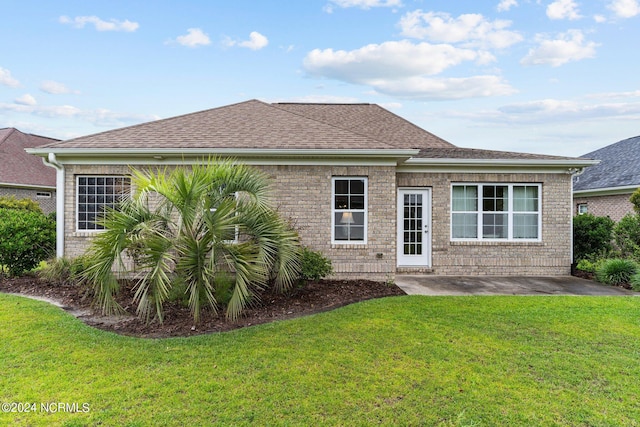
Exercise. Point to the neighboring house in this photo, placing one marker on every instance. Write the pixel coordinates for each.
(604, 189)
(25, 176)
(373, 192)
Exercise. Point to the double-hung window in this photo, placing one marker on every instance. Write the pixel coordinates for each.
(495, 212)
(94, 195)
(349, 210)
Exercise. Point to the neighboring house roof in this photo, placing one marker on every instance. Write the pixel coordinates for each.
(292, 128)
(19, 168)
(619, 167)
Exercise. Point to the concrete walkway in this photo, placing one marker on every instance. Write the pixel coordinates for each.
(493, 285)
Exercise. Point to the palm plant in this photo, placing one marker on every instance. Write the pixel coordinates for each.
(190, 226)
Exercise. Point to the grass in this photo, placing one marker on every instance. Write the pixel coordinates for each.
(448, 361)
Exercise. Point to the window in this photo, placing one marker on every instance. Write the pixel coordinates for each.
(94, 194)
(495, 212)
(349, 210)
(583, 208)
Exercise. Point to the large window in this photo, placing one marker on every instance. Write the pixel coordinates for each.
(94, 194)
(495, 212)
(349, 210)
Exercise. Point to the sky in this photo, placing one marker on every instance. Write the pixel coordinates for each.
(557, 77)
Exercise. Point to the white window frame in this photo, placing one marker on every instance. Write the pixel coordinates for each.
(77, 205)
(583, 208)
(335, 211)
(509, 212)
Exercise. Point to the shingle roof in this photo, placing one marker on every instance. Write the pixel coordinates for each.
(18, 167)
(619, 166)
(257, 125)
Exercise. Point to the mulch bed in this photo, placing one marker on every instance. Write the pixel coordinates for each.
(312, 298)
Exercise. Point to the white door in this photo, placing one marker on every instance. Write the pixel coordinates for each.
(414, 227)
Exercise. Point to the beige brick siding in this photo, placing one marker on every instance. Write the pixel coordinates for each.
(551, 256)
(615, 206)
(302, 194)
(47, 204)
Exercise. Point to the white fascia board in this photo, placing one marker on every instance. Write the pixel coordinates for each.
(570, 166)
(610, 191)
(28, 186)
(253, 156)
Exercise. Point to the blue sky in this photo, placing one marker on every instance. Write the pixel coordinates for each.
(542, 76)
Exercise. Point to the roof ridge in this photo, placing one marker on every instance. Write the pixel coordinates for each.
(333, 125)
(12, 130)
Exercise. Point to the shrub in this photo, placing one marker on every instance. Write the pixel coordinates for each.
(616, 271)
(635, 282)
(10, 202)
(32, 239)
(586, 265)
(627, 236)
(635, 200)
(592, 236)
(314, 265)
(65, 271)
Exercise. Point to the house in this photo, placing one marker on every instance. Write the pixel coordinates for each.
(604, 189)
(370, 190)
(22, 175)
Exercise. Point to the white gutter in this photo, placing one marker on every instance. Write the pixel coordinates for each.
(53, 162)
(609, 191)
(573, 163)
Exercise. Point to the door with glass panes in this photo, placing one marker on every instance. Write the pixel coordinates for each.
(414, 227)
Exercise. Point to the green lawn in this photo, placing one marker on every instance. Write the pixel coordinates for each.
(468, 361)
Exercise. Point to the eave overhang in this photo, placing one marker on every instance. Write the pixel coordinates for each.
(248, 155)
(570, 165)
(610, 191)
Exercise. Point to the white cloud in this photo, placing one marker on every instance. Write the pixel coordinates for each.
(362, 4)
(563, 9)
(321, 99)
(599, 18)
(6, 78)
(421, 88)
(26, 99)
(471, 30)
(99, 24)
(55, 88)
(568, 47)
(625, 8)
(256, 41)
(505, 5)
(195, 37)
(403, 68)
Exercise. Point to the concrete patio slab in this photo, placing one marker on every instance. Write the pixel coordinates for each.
(501, 285)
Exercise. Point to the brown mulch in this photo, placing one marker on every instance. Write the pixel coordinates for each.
(314, 297)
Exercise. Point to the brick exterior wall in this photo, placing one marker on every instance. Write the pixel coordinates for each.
(550, 257)
(302, 194)
(47, 204)
(615, 206)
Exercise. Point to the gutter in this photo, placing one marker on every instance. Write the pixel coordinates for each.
(51, 161)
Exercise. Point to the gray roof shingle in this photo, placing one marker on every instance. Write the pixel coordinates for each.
(619, 166)
(258, 125)
(18, 167)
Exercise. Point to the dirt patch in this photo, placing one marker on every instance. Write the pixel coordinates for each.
(315, 297)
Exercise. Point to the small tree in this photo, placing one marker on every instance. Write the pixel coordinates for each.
(27, 237)
(189, 227)
(592, 236)
(635, 201)
(627, 235)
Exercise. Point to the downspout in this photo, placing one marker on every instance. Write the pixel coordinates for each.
(573, 172)
(53, 162)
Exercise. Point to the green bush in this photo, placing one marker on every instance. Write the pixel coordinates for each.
(586, 265)
(65, 271)
(617, 271)
(627, 236)
(592, 236)
(314, 265)
(635, 282)
(27, 238)
(10, 202)
(635, 200)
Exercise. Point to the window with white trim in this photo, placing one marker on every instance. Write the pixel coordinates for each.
(583, 208)
(496, 212)
(349, 210)
(94, 194)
